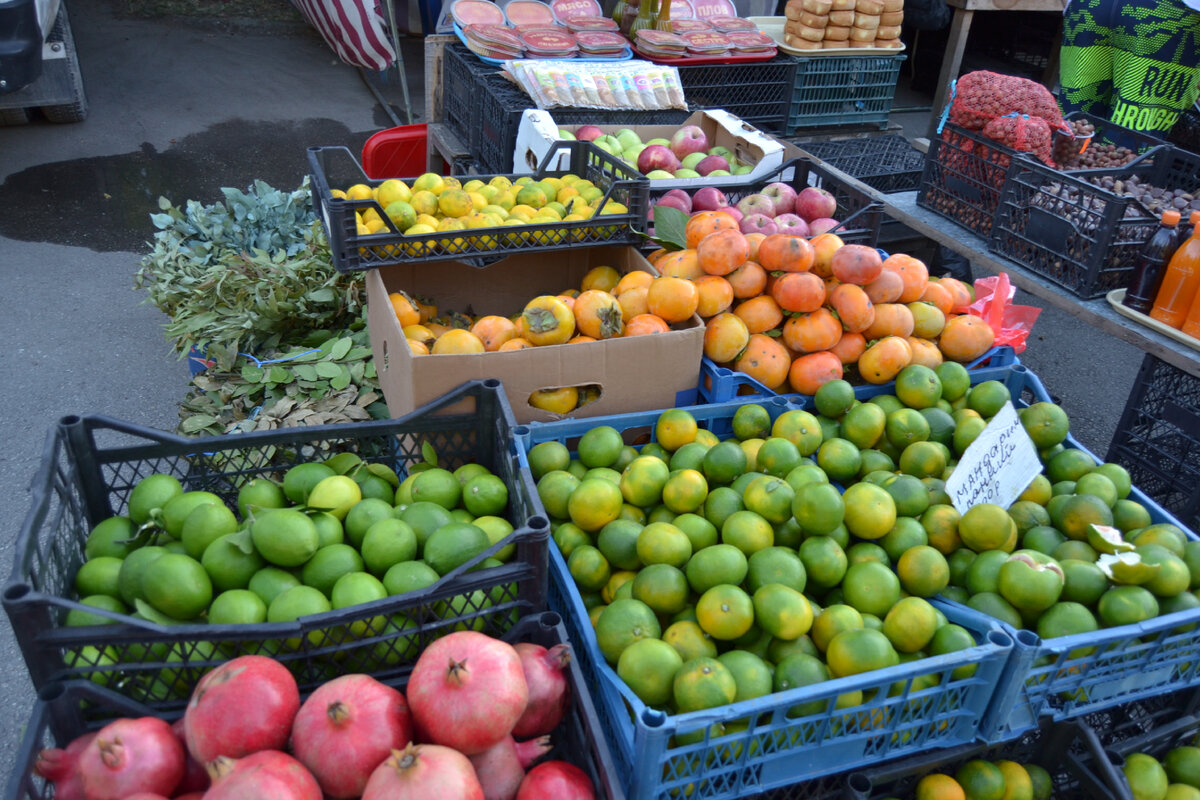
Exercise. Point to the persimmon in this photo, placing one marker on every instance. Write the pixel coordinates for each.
(913, 272)
(633, 279)
(457, 342)
(924, 352)
(765, 360)
(722, 252)
(849, 347)
(643, 324)
(704, 223)
(680, 264)
(965, 338)
(760, 314)
(725, 336)
(633, 302)
(891, 319)
(798, 291)
(810, 372)
(754, 240)
(716, 295)
(853, 307)
(417, 347)
(598, 314)
(824, 246)
(748, 280)
(547, 320)
(783, 252)
(856, 263)
(580, 339)
(514, 344)
(960, 292)
(672, 299)
(938, 295)
(494, 331)
(883, 360)
(811, 332)
(406, 309)
(603, 278)
(887, 288)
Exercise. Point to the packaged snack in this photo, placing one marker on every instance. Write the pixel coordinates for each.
(476, 12)
(525, 13)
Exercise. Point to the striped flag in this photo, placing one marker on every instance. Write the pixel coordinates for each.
(354, 29)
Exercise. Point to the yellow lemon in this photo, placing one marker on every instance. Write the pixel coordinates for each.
(429, 182)
(424, 201)
(392, 190)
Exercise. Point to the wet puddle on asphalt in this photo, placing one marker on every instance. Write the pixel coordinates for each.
(104, 203)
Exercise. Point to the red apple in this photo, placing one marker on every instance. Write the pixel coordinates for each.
(709, 198)
(758, 223)
(689, 139)
(732, 211)
(790, 223)
(813, 203)
(822, 225)
(587, 133)
(682, 196)
(783, 196)
(757, 204)
(710, 163)
(673, 202)
(656, 156)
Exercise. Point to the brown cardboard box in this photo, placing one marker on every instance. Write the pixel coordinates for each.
(638, 373)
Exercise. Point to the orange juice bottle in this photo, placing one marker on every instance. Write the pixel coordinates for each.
(1179, 284)
(1191, 325)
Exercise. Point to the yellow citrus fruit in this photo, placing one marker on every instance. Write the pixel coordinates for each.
(987, 526)
(939, 787)
(725, 612)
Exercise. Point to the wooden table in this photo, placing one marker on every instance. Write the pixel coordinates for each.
(960, 28)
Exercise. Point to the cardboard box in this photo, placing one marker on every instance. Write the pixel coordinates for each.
(638, 373)
(538, 132)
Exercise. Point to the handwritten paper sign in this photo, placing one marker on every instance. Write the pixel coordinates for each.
(997, 466)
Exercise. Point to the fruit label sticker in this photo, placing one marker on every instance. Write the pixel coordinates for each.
(997, 466)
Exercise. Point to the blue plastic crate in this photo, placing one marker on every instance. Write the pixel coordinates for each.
(720, 384)
(773, 751)
(1046, 678)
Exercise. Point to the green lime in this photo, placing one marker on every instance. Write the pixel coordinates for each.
(237, 607)
(178, 507)
(285, 537)
(362, 515)
(177, 585)
(231, 561)
(204, 525)
(109, 538)
(269, 582)
(546, 457)
(328, 564)
(260, 493)
(497, 529)
(99, 575)
(409, 576)
(356, 588)
(77, 618)
(292, 604)
(329, 528)
(424, 518)
(468, 471)
(299, 480)
(485, 495)
(454, 544)
(151, 494)
(133, 565)
(751, 421)
(437, 486)
(388, 542)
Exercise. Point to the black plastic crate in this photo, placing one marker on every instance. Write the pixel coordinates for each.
(887, 163)
(1078, 235)
(461, 72)
(502, 104)
(759, 93)
(1156, 741)
(963, 176)
(860, 214)
(1108, 132)
(835, 91)
(1158, 438)
(66, 710)
(91, 465)
(336, 167)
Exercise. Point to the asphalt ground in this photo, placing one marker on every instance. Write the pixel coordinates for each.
(181, 110)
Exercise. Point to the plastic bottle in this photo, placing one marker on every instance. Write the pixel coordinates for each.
(1152, 263)
(1191, 325)
(1179, 283)
(1186, 225)
(663, 21)
(647, 11)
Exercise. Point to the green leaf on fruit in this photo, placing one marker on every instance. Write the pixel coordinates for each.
(670, 225)
(429, 454)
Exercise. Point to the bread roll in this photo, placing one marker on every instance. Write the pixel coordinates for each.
(817, 6)
(812, 34)
(874, 7)
(887, 32)
(862, 34)
(893, 5)
(830, 44)
(837, 33)
(793, 9)
(841, 5)
(867, 22)
(889, 43)
(891, 18)
(843, 18)
(814, 20)
(854, 43)
(797, 43)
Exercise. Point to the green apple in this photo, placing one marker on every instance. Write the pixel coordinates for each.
(684, 172)
(721, 150)
(692, 159)
(743, 169)
(663, 142)
(609, 144)
(565, 135)
(630, 154)
(628, 138)
(719, 173)
(659, 175)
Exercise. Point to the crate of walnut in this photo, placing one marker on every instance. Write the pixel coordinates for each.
(1084, 231)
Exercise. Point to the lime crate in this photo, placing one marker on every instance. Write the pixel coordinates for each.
(886, 163)
(834, 91)
(774, 752)
(501, 104)
(721, 384)
(758, 92)
(1071, 676)
(336, 168)
(91, 465)
(860, 214)
(1158, 438)
(1080, 236)
(69, 709)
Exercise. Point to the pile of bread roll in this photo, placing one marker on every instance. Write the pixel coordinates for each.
(831, 24)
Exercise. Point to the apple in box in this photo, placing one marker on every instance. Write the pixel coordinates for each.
(783, 196)
(683, 199)
(656, 157)
(732, 211)
(711, 164)
(822, 225)
(813, 203)
(756, 204)
(687, 140)
(709, 198)
(758, 223)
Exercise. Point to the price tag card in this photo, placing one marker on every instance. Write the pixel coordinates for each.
(997, 466)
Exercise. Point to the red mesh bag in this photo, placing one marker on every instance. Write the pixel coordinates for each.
(1024, 133)
(981, 96)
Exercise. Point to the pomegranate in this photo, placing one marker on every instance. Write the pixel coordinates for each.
(130, 756)
(421, 772)
(501, 768)
(556, 780)
(195, 777)
(147, 796)
(59, 766)
(549, 693)
(190, 796)
(264, 774)
(243, 706)
(346, 728)
(467, 690)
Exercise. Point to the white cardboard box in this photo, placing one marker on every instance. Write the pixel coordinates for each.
(538, 132)
(639, 373)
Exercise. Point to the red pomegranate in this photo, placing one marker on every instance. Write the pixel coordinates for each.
(467, 690)
(243, 706)
(501, 768)
(60, 767)
(346, 728)
(264, 774)
(128, 756)
(549, 690)
(195, 777)
(423, 772)
(556, 780)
